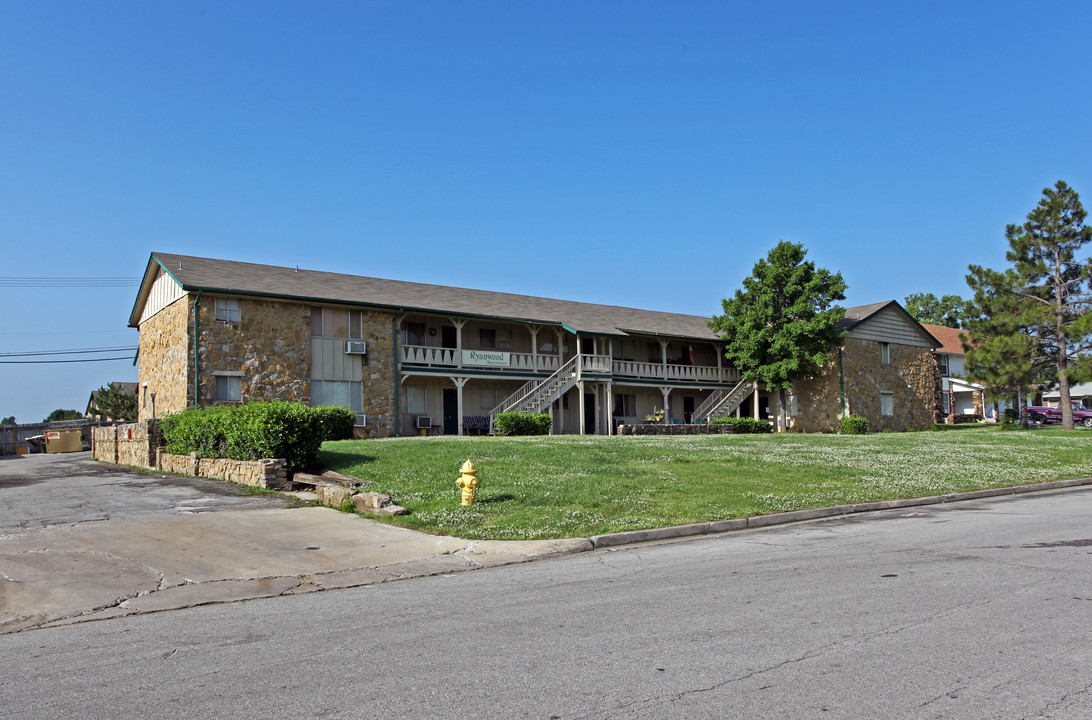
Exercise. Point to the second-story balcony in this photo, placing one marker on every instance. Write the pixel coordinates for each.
(453, 359)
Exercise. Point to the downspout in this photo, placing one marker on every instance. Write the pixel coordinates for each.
(397, 407)
(842, 379)
(196, 357)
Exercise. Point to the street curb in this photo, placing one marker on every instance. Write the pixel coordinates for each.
(721, 526)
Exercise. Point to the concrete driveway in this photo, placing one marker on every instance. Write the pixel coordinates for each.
(82, 540)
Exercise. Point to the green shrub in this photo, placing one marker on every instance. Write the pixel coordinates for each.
(744, 425)
(854, 425)
(521, 423)
(247, 432)
(335, 423)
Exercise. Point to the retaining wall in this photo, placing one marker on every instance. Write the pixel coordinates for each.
(257, 473)
(128, 444)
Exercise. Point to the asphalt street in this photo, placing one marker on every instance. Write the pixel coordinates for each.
(978, 609)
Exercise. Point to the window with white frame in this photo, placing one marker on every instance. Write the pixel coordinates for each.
(947, 403)
(227, 310)
(885, 353)
(336, 323)
(415, 400)
(887, 403)
(942, 363)
(342, 393)
(228, 388)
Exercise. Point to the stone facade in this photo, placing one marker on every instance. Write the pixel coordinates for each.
(909, 378)
(166, 361)
(270, 346)
(377, 329)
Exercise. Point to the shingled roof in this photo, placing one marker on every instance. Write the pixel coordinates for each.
(313, 286)
(227, 276)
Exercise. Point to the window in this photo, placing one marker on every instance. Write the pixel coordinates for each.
(335, 323)
(415, 400)
(228, 388)
(887, 403)
(629, 350)
(487, 338)
(625, 405)
(415, 333)
(885, 353)
(942, 362)
(947, 403)
(227, 310)
(342, 393)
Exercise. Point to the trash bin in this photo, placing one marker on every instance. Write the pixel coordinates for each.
(62, 441)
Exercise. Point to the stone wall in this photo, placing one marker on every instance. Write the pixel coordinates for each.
(129, 444)
(270, 346)
(657, 429)
(166, 359)
(256, 473)
(378, 368)
(909, 378)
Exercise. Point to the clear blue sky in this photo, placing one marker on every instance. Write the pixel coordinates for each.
(633, 153)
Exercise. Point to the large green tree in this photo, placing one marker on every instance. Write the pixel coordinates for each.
(61, 414)
(781, 325)
(947, 311)
(9, 420)
(116, 403)
(1045, 298)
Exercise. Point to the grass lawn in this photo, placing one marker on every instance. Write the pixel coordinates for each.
(573, 486)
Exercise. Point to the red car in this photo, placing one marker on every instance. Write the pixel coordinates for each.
(1043, 414)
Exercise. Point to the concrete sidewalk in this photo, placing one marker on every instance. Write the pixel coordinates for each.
(89, 541)
(113, 568)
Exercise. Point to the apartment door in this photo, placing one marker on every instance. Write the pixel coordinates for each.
(589, 413)
(447, 336)
(451, 411)
(687, 409)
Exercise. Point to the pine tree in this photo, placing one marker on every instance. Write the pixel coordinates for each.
(114, 402)
(1046, 296)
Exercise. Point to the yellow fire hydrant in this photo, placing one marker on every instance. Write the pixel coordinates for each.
(468, 481)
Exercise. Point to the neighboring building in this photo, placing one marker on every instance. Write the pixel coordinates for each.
(92, 411)
(1081, 392)
(956, 395)
(409, 357)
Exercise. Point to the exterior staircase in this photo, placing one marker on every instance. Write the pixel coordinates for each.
(723, 402)
(536, 395)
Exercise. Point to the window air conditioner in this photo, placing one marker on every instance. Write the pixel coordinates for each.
(424, 422)
(361, 420)
(353, 347)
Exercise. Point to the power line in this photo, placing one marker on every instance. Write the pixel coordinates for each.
(79, 351)
(42, 362)
(70, 282)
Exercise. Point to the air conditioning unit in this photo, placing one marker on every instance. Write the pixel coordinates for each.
(424, 422)
(361, 420)
(354, 347)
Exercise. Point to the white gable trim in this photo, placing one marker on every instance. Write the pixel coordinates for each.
(165, 290)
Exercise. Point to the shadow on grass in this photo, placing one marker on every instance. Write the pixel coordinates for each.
(505, 497)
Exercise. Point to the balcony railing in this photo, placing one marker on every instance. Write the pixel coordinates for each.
(448, 358)
(684, 373)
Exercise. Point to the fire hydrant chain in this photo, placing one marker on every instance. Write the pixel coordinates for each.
(468, 481)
